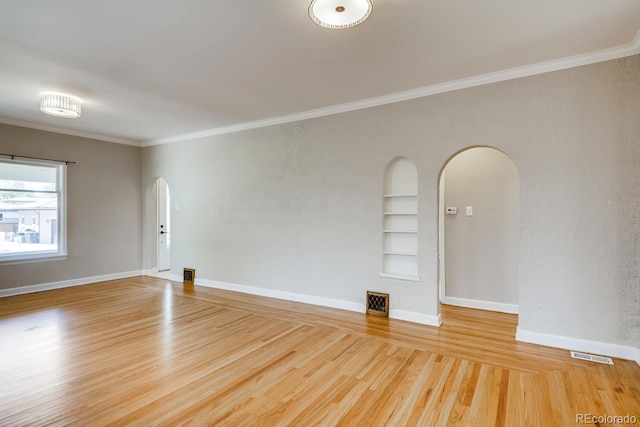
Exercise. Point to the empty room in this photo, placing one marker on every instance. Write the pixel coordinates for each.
(320, 212)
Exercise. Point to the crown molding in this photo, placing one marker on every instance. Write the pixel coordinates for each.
(71, 132)
(630, 49)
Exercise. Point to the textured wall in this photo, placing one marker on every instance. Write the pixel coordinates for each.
(297, 207)
(289, 208)
(482, 249)
(104, 207)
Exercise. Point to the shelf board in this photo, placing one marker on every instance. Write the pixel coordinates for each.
(400, 276)
(400, 195)
(400, 213)
(401, 231)
(400, 253)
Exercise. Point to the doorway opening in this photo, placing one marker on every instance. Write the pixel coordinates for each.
(163, 232)
(479, 230)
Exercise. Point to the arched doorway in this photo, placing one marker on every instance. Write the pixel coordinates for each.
(479, 228)
(163, 235)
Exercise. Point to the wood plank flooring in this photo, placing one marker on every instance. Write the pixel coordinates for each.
(145, 351)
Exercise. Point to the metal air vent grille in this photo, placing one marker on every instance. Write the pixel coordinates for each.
(591, 357)
(378, 304)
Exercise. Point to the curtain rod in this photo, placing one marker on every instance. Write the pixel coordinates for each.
(13, 156)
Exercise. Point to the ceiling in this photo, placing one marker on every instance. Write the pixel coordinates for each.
(152, 71)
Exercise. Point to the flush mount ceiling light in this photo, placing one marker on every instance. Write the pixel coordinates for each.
(339, 13)
(60, 105)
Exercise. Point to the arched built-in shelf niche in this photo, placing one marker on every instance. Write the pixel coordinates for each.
(400, 221)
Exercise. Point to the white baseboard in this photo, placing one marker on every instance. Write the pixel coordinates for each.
(595, 347)
(481, 305)
(410, 316)
(289, 296)
(166, 275)
(315, 300)
(66, 283)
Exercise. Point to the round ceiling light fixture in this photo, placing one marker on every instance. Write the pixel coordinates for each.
(60, 105)
(339, 13)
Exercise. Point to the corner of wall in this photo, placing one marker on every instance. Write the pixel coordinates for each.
(577, 344)
(425, 319)
(481, 305)
(410, 316)
(636, 43)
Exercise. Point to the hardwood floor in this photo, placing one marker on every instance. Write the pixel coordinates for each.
(144, 351)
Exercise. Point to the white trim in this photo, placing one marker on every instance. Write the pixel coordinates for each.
(60, 192)
(480, 80)
(409, 316)
(442, 276)
(568, 343)
(37, 257)
(166, 275)
(71, 132)
(283, 295)
(481, 305)
(636, 43)
(66, 283)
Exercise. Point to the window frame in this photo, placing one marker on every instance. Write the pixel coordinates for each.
(61, 192)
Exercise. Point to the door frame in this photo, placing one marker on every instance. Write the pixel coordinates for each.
(501, 307)
(161, 184)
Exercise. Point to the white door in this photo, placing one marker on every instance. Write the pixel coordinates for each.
(164, 226)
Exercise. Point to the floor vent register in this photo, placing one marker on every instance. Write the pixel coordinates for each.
(591, 357)
(378, 304)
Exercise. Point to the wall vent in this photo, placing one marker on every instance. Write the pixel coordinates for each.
(189, 276)
(591, 357)
(378, 304)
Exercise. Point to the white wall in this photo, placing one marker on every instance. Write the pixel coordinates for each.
(482, 249)
(296, 207)
(104, 210)
(282, 209)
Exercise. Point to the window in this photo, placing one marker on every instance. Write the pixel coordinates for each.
(34, 189)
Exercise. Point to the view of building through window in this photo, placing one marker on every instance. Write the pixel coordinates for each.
(29, 208)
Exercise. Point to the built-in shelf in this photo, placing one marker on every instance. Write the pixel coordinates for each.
(400, 253)
(400, 213)
(400, 221)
